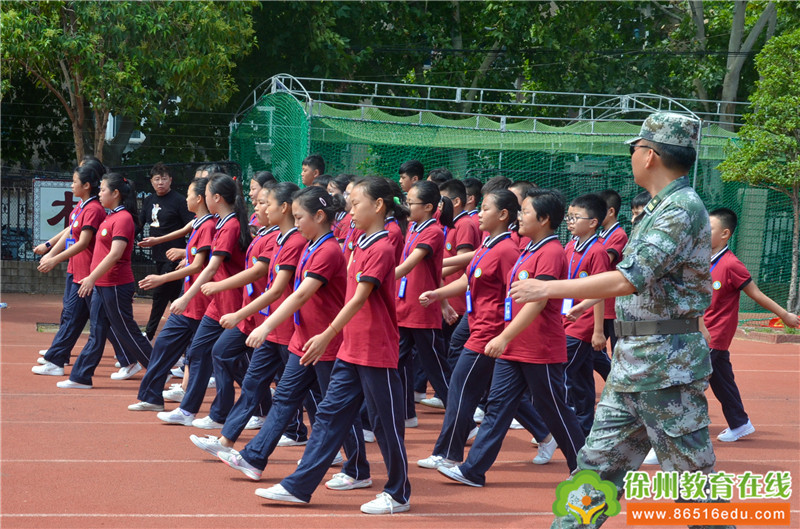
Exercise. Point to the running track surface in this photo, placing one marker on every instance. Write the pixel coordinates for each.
(79, 458)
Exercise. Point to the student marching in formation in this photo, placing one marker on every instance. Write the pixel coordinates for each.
(483, 286)
(232, 236)
(76, 243)
(111, 278)
(530, 351)
(319, 292)
(365, 369)
(178, 331)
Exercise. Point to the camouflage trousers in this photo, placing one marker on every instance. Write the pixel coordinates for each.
(674, 421)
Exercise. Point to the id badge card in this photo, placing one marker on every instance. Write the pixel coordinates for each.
(69, 242)
(469, 302)
(249, 288)
(566, 305)
(507, 309)
(402, 292)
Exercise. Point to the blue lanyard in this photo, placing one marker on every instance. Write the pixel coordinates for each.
(411, 242)
(307, 255)
(716, 261)
(298, 278)
(605, 238)
(273, 266)
(570, 273)
(520, 262)
(259, 236)
(477, 259)
(349, 234)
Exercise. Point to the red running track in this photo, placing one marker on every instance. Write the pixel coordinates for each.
(79, 458)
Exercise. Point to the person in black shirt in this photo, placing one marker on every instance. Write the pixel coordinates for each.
(165, 211)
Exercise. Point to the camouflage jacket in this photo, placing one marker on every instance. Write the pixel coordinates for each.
(666, 260)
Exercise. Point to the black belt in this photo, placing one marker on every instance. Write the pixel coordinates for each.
(648, 328)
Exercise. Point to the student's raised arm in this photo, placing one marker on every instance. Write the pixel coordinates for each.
(789, 319)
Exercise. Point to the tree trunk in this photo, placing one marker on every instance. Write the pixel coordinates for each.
(738, 53)
(696, 12)
(466, 106)
(113, 149)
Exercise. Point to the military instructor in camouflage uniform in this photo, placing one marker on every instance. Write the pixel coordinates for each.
(655, 393)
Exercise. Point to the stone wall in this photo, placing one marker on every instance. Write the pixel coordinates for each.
(23, 277)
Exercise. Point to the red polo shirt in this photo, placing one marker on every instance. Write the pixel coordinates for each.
(117, 226)
(464, 235)
(88, 216)
(728, 277)
(613, 240)
(200, 240)
(586, 259)
(260, 249)
(487, 275)
(426, 276)
(226, 245)
(285, 256)
(321, 260)
(543, 341)
(371, 337)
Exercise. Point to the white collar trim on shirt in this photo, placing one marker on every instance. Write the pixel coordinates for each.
(283, 237)
(419, 227)
(228, 217)
(605, 233)
(532, 247)
(365, 242)
(489, 242)
(200, 220)
(719, 254)
(585, 244)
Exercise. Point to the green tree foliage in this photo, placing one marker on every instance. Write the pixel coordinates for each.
(131, 59)
(768, 154)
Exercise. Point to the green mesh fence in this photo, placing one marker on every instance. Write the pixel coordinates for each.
(277, 134)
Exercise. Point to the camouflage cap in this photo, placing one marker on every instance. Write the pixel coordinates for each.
(669, 128)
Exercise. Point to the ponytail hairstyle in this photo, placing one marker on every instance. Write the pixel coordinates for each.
(262, 177)
(91, 173)
(231, 192)
(199, 185)
(315, 198)
(127, 192)
(376, 187)
(505, 199)
(284, 191)
(428, 193)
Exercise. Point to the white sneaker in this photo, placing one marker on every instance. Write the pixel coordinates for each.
(176, 416)
(68, 384)
(146, 406)
(651, 458)
(41, 360)
(48, 368)
(478, 415)
(42, 352)
(206, 423)
(384, 504)
(117, 364)
(175, 393)
(455, 474)
(210, 444)
(127, 372)
(369, 436)
(433, 402)
(234, 460)
(212, 383)
(413, 422)
(472, 434)
(545, 452)
(728, 436)
(288, 441)
(435, 462)
(278, 493)
(176, 372)
(418, 396)
(515, 425)
(342, 481)
(255, 423)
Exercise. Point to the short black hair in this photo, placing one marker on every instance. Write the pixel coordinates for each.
(496, 182)
(473, 186)
(523, 185)
(674, 157)
(641, 200)
(160, 169)
(440, 175)
(612, 199)
(548, 203)
(594, 205)
(342, 180)
(455, 189)
(727, 217)
(322, 181)
(412, 168)
(315, 161)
